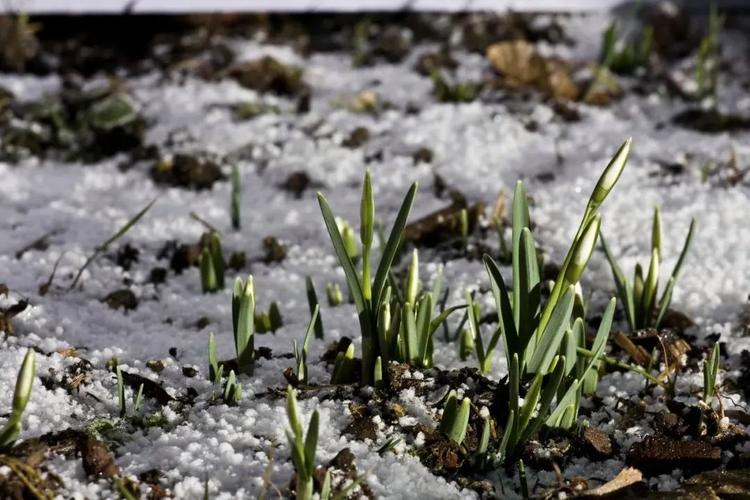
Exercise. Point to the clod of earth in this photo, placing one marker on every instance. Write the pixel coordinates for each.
(660, 455)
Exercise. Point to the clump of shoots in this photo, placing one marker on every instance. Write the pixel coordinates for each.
(622, 56)
(232, 390)
(455, 418)
(407, 336)
(121, 401)
(212, 264)
(643, 306)
(243, 323)
(447, 91)
(300, 355)
(302, 446)
(21, 396)
(312, 302)
(368, 293)
(542, 340)
(269, 321)
(707, 64)
(334, 295)
(236, 195)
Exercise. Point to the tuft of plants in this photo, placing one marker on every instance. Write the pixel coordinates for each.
(407, 334)
(544, 341)
(368, 291)
(212, 264)
(707, 63)
(121, 401)
(622, 56)
(269, 321)
(21, 396)
(643, 306)
(302, 447)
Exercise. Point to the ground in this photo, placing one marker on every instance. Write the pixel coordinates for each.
(478, 148)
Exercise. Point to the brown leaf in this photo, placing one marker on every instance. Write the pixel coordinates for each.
(627, 480)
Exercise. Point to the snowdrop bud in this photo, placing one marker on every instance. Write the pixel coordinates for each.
(583, 250)
(24, 383)
(412, 282)
(611, 174)
(367, 212)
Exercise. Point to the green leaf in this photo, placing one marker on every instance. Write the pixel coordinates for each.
(656, 231)
(411, 341)
(555, 418)
(683, 252)
(292, 412)
(550, 339)
(352, 277)
(213, 358)
(520, 221)
(314, 305)
(311, 443)
(504, 310)
(391, 247)
(529, 280)
(624, 289)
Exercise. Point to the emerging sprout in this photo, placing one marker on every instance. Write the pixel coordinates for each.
(24, 383)
(455, 418)
(710, 370)
(212, 264)
(243, 322)
(333, 294)
(312, 302)
(302, 447)
(234, 203)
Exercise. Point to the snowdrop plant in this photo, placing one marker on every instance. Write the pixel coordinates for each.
(542, 341)
(455, 419)
(243, 323)
(21, 396)
(269, 321)
(407, 336)
(232, 390)
(367, 292)
(212, 264)
(643, 306)
(302, 446)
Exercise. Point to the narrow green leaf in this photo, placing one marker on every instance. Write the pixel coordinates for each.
(311, 443)
(550, 339)
(391, 247)
(504, 311)
(520, 221)
(352, 277)
(624, 290)
(313, 304)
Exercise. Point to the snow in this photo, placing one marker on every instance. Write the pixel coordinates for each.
(481, 148)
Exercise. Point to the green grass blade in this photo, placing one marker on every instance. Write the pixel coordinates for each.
(311, 443)
(624, 290)
(549, 340)
(391, 247)
(314, 305)
(528, 277)
(352, 277)
(521, 220)
(504, 310)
